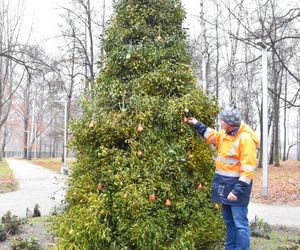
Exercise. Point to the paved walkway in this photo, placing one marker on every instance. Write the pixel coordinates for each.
(40, 185)
(36, 185)
(288, 216)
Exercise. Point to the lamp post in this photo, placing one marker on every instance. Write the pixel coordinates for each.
(264, 116)
(64, 167)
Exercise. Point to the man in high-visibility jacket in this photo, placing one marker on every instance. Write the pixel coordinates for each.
(235, 164)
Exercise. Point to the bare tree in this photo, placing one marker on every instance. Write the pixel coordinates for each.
(78, 31)
(240, 26)
(9, 34)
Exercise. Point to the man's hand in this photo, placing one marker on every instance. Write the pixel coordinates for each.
(231, 197)
(192, 120)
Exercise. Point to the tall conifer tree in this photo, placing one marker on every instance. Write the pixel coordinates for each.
(142, 178)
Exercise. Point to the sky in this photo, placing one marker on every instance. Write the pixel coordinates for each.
(43, 17)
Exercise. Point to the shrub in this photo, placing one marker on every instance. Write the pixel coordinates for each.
(259, 228)
(11, 222)
(2, 232)
(28, 244)
(134, 185)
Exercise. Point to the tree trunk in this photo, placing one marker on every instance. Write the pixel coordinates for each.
(40, 147)
(29, 156)
(271, 160)
(284, 158)
(298, 135)
(25, 139)
(275, 136)
(102, 35)
(218, 54)
(203, 46)
(288, 151)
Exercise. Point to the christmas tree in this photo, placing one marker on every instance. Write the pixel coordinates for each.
(143, 177)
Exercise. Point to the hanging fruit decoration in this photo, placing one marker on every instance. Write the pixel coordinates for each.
(100, 186)
(152, 197)
(168, 203)
(217, 206)
(140, 128)
(185, 119)
(92, 124)
(199, 186)
(140, 153)
(158, 39)
(190, 156)
(125, 196)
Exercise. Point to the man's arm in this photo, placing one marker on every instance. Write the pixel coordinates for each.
(248, 164)
(208, 133)
(199, 126)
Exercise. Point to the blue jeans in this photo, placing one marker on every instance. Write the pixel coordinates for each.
(237, 227)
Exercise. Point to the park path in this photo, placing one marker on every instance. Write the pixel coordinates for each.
(282, 215)
(37, 185)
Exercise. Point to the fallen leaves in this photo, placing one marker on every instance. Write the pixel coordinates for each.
(283, 184)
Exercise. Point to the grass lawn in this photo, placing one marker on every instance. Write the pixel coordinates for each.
(53, 164)
(8, 182)
(280, 239)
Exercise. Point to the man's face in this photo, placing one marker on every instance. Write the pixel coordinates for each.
(225, 126)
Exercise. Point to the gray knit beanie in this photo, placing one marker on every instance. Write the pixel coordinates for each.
(231, 115)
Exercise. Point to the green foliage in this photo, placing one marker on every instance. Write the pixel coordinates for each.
(28, 244)
(281, 238)
(131, 143)
(2, 232)
(11, 223)
(259, 228)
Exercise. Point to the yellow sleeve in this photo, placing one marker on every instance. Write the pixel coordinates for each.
(247, 159)
(213, 137)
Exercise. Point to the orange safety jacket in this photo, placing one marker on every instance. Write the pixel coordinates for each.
(235, 163)
(236, 155)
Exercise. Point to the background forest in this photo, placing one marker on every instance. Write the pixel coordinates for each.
(223, 37)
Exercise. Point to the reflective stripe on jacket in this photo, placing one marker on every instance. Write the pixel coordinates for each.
(235, 163)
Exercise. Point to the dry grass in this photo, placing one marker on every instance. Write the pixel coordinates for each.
(284, 184)
(8, 182)
(53, 164)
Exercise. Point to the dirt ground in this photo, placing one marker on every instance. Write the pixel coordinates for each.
(283, 184)
(35, 228)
